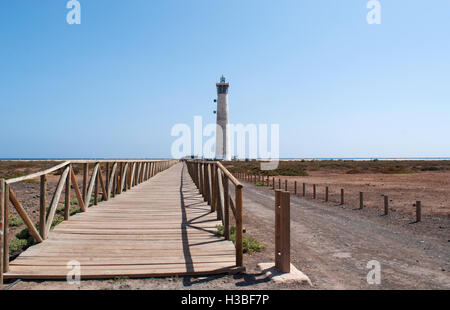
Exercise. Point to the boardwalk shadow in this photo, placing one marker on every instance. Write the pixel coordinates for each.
(190, 224)
(184, 233)
(242, 280)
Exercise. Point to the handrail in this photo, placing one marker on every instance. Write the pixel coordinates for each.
(212, 180)
(68, 162)
(118, 179)
(37, 174)
(229, 175)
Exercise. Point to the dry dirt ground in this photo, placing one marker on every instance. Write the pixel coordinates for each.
(332, 244)
(403, 190)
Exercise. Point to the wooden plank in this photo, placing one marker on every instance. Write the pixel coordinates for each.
(104, 261)
(204, 269)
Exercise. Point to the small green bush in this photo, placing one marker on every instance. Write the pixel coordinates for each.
(74, 210)
(23, 234)
(57, 220)
(17, 245)
(432, 168)
(14, 221)
(251, 245)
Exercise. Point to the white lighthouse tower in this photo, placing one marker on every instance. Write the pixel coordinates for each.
(222, 143)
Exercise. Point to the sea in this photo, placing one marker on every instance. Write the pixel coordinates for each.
(286, 158)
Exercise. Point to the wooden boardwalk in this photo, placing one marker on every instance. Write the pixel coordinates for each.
(158, 228)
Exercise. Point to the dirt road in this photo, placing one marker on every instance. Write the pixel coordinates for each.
(333, 244)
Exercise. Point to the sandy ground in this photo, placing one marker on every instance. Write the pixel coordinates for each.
(332, 244)
(403, 190)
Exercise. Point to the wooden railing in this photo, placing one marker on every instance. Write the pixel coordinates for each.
(119, 176)
(213, 182)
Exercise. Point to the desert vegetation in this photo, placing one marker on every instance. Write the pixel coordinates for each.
(302, 167)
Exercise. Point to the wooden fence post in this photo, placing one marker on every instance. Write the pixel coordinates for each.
(277, 229)
(96, 185)
(314, 191)
(67, 196)
(342, 196)
(107, 176)
(200, 173)
(418, 211)
(226, 196)
(284, 230)
(113, 181)
(85, 177)
(239, 227)
(286, 185)
(326, 193)
(386, 205)
(214, 187)
(304, 189)
(43, 207)
(208, 184)
(273, 182)
(295, 187)
(205, 183)
(2, 228)
(361, 200)
(6, 230)
(279, 183)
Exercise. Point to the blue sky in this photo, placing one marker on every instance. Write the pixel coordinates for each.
(116, 84)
